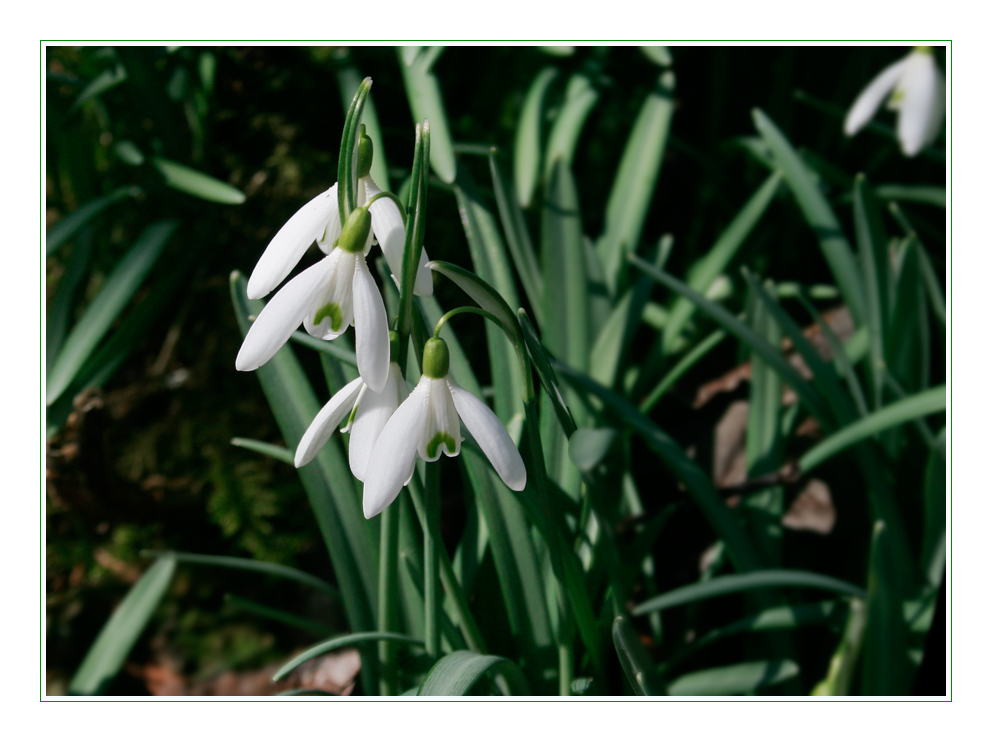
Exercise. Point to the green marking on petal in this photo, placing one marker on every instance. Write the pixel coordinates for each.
(439, 438)
(331, 310)
(923, 49)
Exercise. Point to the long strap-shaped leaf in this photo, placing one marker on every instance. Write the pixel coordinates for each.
(748, 581)
(340, 642)
(119, 634)
(456, 674)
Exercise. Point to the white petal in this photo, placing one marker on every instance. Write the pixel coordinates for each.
(371, 330)
(334, 306)
(373, 411)
(281, 316)
(937, 109)
(327, 238)
(919, 88)
(441, 430)
(326, 421)
(388, 227)
(872, 96)
(290, 242)
(394, 454)
(491, 436)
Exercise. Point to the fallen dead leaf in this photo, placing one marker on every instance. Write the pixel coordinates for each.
(813, 510)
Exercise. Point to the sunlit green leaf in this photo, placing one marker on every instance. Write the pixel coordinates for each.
(340, 642)
(746, 677)
(66, 228)
(527, 145)
(458, 672)
(195, 183)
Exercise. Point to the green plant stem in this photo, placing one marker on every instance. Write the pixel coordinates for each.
(463, 310)
(432, 546)
(388, 592)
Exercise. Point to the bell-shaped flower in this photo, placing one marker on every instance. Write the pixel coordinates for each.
(327, 297)
(915, 88)
(427, 424)
(319, 220)
(369, 410)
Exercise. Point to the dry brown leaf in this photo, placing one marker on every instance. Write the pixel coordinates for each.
(813, 510)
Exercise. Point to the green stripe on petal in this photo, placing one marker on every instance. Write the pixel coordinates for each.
(441, 438)
(332, 310)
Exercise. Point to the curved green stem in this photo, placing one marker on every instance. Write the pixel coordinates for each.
(392, 197)
(463, 310)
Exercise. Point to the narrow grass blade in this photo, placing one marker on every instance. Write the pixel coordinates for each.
(517, 237)
(635, 661)
(658, 54)
(482, 294)
(352, 544)
(588, 446)
(715, 262)
(117, 290)
(873, 255)
(279, 453)
(580, 97)
(546, 374)
(71, 224)
(198, 184)
(819, 215)
(332, 349)
(635, 180)
(771, 355)
(106, 80)
(746, 677)
(841, 669)
(340, 642)
(251, 565)
(458, 672)
(60, 308)
(935, 513)
(689, 360)
(922, 194)
(698, 484)
(118, 636)
(754, 580)
(918, 405)
(424, 94)
(885, 669)
(527, 143)
(566, 302)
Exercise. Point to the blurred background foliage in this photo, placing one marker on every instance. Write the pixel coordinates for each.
(166, 168)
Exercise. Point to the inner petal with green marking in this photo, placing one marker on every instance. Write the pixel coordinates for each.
(332, 310)
(442, 432)
(435, 444)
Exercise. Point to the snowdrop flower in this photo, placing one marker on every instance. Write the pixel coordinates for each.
(339, 290)
(369, 412)
(427, 424)
(328, 297)
(916, 86)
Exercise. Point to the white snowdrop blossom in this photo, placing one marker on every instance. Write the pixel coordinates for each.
(369, 411)
(339, 290)
(915, 88)
(426, 424)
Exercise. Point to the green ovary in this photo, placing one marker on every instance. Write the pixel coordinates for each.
(331, 310)
(439, 438)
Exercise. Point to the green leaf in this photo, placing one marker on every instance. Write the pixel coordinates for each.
(546, 374)
(771, 355)
(63, 304)
(324, 346)
(635, 661)
(588, 446)
(195, 183)
(274, 614)
(557, 51)
(279, 453)
(250, 565)
(456, 674)
(527, 144)
(753, 580)
(119, 634)
(566, 303)
(715, 262)
(932, 195)
(689, 360)
(746, 677)
(424, 94)
(340, 642)
(517, 237)
(580, 98)
(885, 669)
(635, 180)
(351, 541)
(71, 224)
(129, 153)
(818, 213)
(696, 481)
(873, 255)
(916, 406)
(109, 78)
(349, 79)
(117, 290)
(935, 513)
(482, 294)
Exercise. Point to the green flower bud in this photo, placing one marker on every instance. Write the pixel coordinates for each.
(355, 232)
(435, 358)
(394, 346)
(364, 153)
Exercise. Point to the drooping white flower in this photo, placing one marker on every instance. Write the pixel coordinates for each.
(915, 88)
(369, 412)
(427, 424)
(328, 297)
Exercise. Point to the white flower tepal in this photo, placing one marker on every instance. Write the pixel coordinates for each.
(427, 424)
(915, 88)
